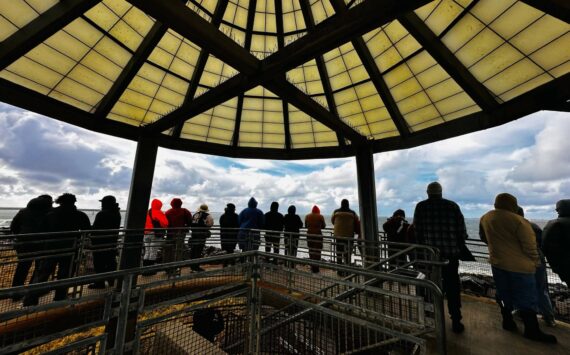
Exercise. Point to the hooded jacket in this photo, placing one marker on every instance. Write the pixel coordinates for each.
(556, 240)
(251, 217)
(291, 221)
(314, 221)
(178, 216)
(30, 219)
(273, 219)
(510, 238)
(155, 213)
(66, 217)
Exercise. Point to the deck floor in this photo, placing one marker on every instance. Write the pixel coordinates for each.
(484, 335)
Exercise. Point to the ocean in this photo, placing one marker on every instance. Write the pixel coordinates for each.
(472, 224)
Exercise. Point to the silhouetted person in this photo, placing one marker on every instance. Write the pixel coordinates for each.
(344, 220)
(274, 223)
(201, 222)
(439, 223)
(154, 234)
(292, 224)
(315, 222)
(250, 218)
(180, 218)
(228, 229)
(396, 228)
(105, 243)
(514, 258)
(62, 247)
(541, 278)
(556, 241)
(28, 220)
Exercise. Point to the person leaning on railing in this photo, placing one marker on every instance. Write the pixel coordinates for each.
(229, 223)
(202, 221)
(344, 221)
(181, 219)
(154, 234)
(514, 258)
(292, 224)
(556, 241)
(62, 247)
(315, 222)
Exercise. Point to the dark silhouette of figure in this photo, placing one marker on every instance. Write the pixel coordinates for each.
(105, 243)
(228, 233)
(250, 218)
(28, 220)
(556, 241)
(396, 228)
(514, 258)
(273, 223)
(62, 247)
(201, 222)
(344, 220)
(180, 218)
(439, 223)
(292, 224)
(315, 222)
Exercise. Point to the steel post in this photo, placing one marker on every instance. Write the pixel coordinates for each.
(367, 201)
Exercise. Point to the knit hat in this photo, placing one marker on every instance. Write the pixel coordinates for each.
(399, 213)
(505, 201)
(434, 188)
(204, 207)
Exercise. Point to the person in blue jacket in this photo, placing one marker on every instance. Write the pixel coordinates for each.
(250, 218)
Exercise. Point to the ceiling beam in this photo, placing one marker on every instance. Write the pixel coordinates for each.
(556, 8)
(201, 63)
(540, 98)
(281, 44)
(357, 20)
(41, 28)
(448, 61)
(376, 77)
(321, 67)
(146, 47)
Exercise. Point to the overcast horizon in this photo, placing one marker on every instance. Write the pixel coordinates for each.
(528, 158)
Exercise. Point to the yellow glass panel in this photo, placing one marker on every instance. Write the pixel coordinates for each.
(388, 59)
(90, 79)
(525, 87)
(119, 7)
(6, 28)
(126, 120)
(375, 115)
(422, 115)
(560, 70)
(201, 119)
(152, 73)
(28, 69)
(68, 45)
(126, 35)
(135, 98)
(103, 16)
(161, 57)
(427, 124)
(420, 62)
(302, 138)
(17, 12)
(539, 34)
(395, 31)
(143, 86)
(414, 102)
(406, 89)
(23, 82)
(553, 54)
(182, 68)
(345, 96)
(69, 100)
(462, 32)
(199, 130)
(462, 113)
(321, 10)
(325, 137)
(273, 128)
(513, 76)
(103, 65)
(169, 96)
(252, 116)
(454, 103)
(138, 20)
(51, 58)
(431, 76)
(515, 19)
(444, 89)
(381, 127)
(442, 16)
(175, 84)
(500, 59)
(220, 134)
(113, 51)
(478, 47)
(41, 5)
(223, 124)
(398, 75)
(488, 10)
(84, 32)
(299, 127)
(158, 107)
(78, 92)
(371, 103)
(407, 45)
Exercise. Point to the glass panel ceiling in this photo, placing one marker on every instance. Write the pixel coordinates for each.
(507, 46)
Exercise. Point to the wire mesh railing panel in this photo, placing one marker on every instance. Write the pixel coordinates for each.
(196, 328)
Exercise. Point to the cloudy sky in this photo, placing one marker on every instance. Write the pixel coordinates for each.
(529, 158)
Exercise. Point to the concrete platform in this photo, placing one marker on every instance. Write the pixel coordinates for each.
(484, 335)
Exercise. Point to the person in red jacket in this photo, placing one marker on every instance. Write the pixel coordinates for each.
(153, 238)
(315, 222)
(181, 219)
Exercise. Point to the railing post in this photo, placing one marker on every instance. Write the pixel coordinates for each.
(254, 310)
(440, 325)
(123, 316)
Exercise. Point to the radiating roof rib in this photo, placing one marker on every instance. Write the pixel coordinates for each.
(286, 79)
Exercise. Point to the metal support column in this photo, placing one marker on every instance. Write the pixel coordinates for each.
(367, 200)
(139, 198)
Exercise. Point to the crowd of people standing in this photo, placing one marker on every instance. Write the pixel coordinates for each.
(518, 249)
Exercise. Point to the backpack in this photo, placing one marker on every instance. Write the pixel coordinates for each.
(199, 221)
